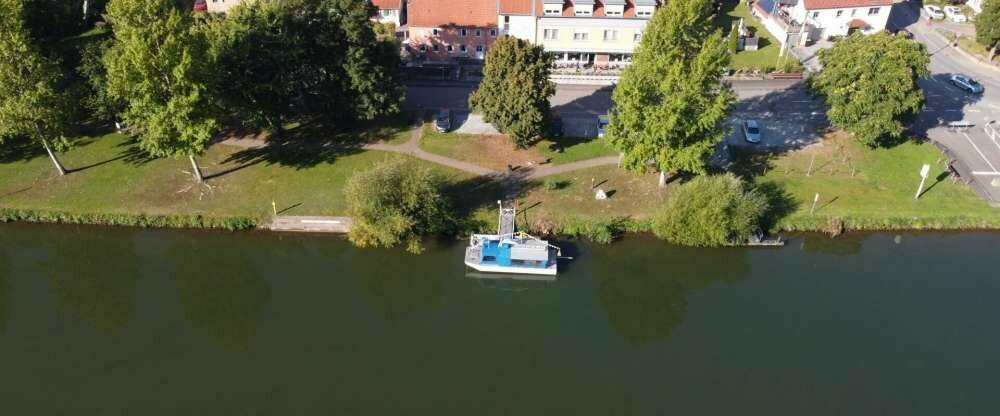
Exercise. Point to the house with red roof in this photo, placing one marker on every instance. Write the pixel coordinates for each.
(800, 21)
(442, 30)
(391, 11)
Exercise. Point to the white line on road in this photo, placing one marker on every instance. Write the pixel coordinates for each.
(979, 151)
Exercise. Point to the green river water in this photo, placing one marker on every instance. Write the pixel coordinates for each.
(102, 321)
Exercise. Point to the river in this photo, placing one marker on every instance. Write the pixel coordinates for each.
(117, 321)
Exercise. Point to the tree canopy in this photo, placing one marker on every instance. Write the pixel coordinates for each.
(282, 59)
(515, 91)
(710, 211)
(30, 104)
(396, 202)
(158, 68)
(870, 83)
(988, 26)
(670, 104)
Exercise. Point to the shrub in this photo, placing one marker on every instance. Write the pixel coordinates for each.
(710, 211)
(394, 202)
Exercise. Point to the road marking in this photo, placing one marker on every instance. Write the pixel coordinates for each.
(979, 151)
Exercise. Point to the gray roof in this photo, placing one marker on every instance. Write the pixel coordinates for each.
(613, 2)
(644, 2)
(583, 2)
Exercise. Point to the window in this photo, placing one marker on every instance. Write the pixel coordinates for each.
(873, 11)
(610, 35)
(463, 32)
(551, 34)
(815, 15)
(583, 12)
(479, 32)
(386, 13)
(840, 13)
(451, 48)
(493, 33)
(854, 12)
(644, 11)
(553, 9)
(637, 37)
(581, 36)
(435, 47)
(461, 48)
(479, 48)
(611, 10)
(423, 48)
(437, 32)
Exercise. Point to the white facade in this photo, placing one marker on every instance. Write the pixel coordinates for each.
(522, 27)
(221, 6)
(825, 23)
(389, 16)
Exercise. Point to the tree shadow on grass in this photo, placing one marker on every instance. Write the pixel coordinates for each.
(19, 150)
(780, 204)
(482, 192)
(131, 153)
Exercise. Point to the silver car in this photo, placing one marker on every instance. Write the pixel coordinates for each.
(966, 84)
(751, 131)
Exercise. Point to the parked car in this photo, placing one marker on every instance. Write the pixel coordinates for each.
(602, 122)
(442, 122)
(955, 14)
(904, 33)
(934, 12)
(966, 84)
(751, 131)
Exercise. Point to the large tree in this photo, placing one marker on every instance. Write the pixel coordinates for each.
(514, 94)
(988, 27)
(31, 107)
(396, 202)
(670, 103)
(158, 67)
(870, 83)
(283, 59)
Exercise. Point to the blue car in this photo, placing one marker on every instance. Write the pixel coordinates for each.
(966, 84)
(602, 123)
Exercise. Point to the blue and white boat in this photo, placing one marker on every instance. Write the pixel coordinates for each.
(510, 251)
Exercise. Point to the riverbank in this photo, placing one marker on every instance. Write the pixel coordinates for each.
(112, 184)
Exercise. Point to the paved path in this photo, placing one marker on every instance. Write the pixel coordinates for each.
(310, 224)
(549, 170)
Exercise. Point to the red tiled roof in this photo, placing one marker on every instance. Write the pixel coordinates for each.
(388, 4)
(515, 6)
(435, 13)
(843, 4)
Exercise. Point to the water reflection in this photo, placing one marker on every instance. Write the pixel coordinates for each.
(222, 295)
(93, 275)
(399, 284)
(848, 244)
(643, 285)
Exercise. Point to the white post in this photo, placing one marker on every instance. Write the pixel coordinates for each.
(815, 200)
(663, 179)
(197, 170)
(923, 177)
(811, 161)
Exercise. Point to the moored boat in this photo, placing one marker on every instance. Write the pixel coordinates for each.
(511, 251)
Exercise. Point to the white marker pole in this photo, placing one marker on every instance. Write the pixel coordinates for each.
(926, 169)
(815, 200)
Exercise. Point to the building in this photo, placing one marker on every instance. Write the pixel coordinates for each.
(221, 6)
(391, 11)
(442, 30)
(580, 33)
(800, 21)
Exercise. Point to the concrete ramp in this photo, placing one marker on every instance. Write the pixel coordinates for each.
(309, 224)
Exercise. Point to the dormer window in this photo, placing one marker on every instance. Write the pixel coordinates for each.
(614, 8)
(645, 8)
(553, 7)
(583, 7)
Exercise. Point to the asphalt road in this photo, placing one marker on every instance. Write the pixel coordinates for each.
(977, 155)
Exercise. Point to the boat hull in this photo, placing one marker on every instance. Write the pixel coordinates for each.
(493, 268)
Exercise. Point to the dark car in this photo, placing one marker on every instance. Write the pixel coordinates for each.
(442, 122)
(556, 127)
(966, 84)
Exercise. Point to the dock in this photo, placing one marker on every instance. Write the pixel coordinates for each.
(310, 224)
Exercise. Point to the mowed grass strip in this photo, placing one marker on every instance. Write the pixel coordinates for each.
(870, 188)
(496, 151)
(110, 176)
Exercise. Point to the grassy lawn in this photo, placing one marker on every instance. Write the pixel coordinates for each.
(765, 58)
(496, 151)
(572, 195)
(241, 182)
(868, 189)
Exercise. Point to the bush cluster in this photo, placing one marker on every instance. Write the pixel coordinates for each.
(710, 211)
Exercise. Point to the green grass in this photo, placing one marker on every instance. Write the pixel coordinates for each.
(574, 149)
(763, 59)
(879, 194)
(306, 183)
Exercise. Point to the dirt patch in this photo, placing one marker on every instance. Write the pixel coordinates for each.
(496, 152)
